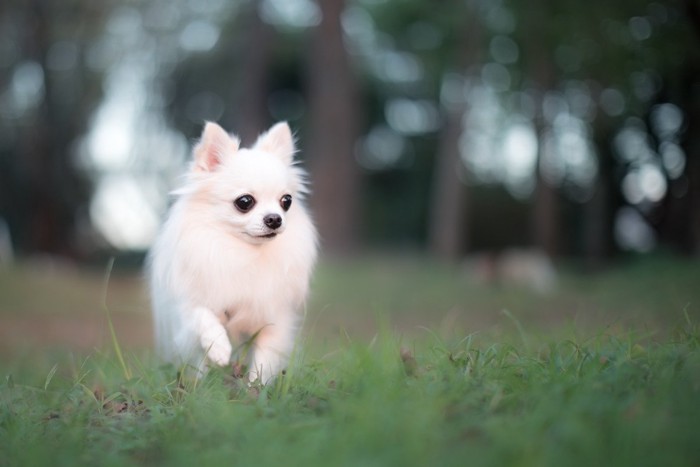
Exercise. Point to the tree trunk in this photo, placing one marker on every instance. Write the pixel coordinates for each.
(251, 115)
(691, 146)
(600, 211)
(546, 219)
(334, 107)
(447, 228)
(692, 140)
(448, 224)
(53, 188)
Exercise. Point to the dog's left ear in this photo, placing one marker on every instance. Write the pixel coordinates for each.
(278, 140)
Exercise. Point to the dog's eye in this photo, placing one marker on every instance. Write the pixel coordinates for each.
(244, 203)
(286, 202)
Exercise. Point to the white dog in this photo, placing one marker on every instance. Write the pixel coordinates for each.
(234, 257)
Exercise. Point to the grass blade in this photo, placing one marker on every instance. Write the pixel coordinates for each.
(115, 342)
(49, 377)
(519, 327)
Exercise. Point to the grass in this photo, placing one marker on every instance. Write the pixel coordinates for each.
(518, 392)
(609, 400)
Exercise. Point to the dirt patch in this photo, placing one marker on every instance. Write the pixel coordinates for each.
(82, 333)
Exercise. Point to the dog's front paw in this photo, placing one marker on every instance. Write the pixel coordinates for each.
(220, 352)
(217, 348)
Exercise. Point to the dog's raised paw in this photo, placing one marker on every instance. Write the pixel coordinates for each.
(217, 347)
(220, 352)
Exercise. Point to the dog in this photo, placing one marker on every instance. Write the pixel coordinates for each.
(234, 257)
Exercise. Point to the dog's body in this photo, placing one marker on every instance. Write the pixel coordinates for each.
(235, 255)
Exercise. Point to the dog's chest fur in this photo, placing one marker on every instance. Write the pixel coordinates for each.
(251, 282)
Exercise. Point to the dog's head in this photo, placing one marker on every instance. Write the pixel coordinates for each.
(253, 191)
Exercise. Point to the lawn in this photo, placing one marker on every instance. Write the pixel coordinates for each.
(402, 362)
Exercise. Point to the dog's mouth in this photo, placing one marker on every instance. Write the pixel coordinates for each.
(260, 236)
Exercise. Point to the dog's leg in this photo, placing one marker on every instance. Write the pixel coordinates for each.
(212, 336)
(271, 350)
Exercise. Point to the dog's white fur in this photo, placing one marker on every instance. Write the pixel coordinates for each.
(215, 273)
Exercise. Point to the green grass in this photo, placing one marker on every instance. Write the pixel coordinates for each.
(401, 363)
(609, 400)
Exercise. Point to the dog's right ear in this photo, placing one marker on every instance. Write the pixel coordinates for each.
(210, 150)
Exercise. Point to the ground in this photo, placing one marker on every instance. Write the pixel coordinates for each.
(58, 305)
(402, 361)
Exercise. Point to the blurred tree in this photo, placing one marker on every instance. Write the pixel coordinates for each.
(540, 72)
(608, 69)
(334, 106)
(624, 54)
(599, 213)
(48, 93)
(250, 104)
(448, 223)
(563, 71)
(690, 103)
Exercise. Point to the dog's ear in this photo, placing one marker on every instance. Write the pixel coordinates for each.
(211, 148)
(278, 140)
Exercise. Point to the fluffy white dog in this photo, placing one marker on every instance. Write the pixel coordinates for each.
(234, 257)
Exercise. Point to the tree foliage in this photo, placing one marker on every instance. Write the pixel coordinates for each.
(409, 114)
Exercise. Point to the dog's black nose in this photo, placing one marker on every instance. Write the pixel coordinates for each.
(273, 221)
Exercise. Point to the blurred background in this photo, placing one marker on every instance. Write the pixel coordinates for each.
(501, 136)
